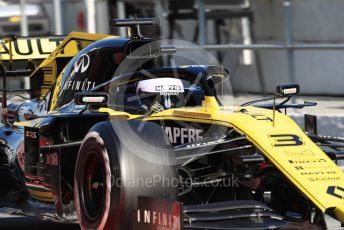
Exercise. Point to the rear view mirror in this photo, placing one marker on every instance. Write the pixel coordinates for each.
(288, 89)
(91, 98)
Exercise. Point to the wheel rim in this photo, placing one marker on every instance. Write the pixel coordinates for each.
(93, 186)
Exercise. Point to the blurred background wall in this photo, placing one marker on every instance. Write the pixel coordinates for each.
(318, 71)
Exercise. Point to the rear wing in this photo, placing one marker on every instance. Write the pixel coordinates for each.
(26, 56)
(40, 58)
(30, 48)
(23, 49)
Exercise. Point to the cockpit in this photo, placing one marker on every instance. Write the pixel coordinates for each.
(151, 91)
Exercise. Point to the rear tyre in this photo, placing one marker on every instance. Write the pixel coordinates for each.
(114, 164)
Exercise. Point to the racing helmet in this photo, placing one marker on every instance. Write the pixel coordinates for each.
(156, 95)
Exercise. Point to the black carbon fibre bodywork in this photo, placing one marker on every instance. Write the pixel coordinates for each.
(66, 132)
(12, 181)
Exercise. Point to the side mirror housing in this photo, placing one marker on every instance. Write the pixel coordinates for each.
(91, 98)
(288, 89)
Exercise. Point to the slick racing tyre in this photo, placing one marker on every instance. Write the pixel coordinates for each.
(114, 165)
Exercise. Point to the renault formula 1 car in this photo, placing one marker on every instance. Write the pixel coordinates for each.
(152, 147)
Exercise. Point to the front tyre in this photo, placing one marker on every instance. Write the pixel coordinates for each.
(112, 168)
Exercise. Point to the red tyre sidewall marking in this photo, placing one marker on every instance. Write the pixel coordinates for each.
(106, 161)
(21, 156)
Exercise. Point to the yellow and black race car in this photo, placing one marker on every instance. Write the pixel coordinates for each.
(118, 145)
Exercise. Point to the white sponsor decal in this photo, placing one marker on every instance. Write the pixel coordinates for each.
(163, 86)
(93, 99)
(183, 135)
(156, 218)
(165, 90)
(204, 143)
(79, 85)
(289, 91)
(21, 156)
(82, 64)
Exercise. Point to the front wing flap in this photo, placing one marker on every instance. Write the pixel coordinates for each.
(240, 214)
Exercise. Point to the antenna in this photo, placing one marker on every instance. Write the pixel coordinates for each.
(287, 90)
(274, 111)
(134, 25)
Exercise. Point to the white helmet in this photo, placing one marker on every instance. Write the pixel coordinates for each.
(159, 94)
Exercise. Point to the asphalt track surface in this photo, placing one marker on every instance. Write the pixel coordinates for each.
(19, 222)
(28, 223)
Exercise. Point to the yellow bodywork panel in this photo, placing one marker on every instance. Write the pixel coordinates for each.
(42, 196)
(22, 123)
(284, 144)
(49, 70)
(294, 154)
